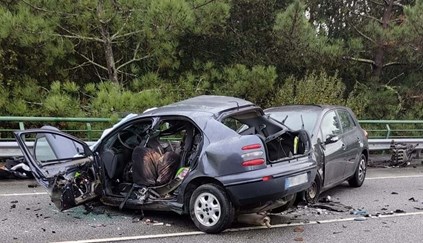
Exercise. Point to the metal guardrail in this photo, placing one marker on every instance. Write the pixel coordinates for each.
(84, 127)
(385, 144)
(381, 132)
(393, 129)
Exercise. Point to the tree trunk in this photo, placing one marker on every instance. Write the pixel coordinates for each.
(108, 46)
(380, 51)
(108, 53)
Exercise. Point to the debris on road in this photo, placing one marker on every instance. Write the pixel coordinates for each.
(254, 219)
(34, 185)
(401, 153)
(361, 212)
(332, 206)
(399, 211)
(394, 193)
(413, 199)
(298, 239)
(326, 199)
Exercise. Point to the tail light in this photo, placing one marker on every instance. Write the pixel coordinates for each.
(253, 162)
(251, 146)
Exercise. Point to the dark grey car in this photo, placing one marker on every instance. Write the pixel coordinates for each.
(231, 159)
(340, 144)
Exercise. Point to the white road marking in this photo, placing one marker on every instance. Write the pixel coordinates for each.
(190, 233)
(23, 194)
(393, 177)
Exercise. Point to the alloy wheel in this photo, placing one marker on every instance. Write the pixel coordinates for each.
(207, 209)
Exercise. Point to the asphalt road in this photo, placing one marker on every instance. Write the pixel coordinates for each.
(392, 196)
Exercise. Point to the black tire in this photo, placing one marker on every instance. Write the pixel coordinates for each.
(311, 195)
(287, 206)
(360, 173)
(210, 209)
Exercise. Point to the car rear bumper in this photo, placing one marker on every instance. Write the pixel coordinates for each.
(274, 182)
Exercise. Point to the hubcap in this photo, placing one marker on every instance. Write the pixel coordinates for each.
(207, 209)
(362, 169)
(312, 191)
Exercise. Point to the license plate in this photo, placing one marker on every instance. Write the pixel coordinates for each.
(296, 180)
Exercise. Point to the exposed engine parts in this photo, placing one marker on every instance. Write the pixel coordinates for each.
(401, 153)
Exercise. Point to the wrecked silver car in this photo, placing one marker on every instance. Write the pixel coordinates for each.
(339, 143)
(212, 157)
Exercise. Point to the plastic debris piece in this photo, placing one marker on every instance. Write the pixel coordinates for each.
(337, 232)
(399, 211)
(326, 199)
(16, 201)
(394, 193)
(298, 239)
(413, 199)
(13, 206)
(158, 224)
(359, 212)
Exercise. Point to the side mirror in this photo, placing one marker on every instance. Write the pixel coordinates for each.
(331, 138)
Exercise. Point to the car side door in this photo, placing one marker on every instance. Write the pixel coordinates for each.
(61, 163)
(352, 140)
(333, 148)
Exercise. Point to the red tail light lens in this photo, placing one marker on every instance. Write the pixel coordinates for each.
(251, 146)
(253, 162)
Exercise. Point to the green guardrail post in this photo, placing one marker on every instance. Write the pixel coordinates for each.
(388, 131)
(89, 131)
(21, 126)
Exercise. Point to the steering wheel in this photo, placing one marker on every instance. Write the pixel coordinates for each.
(129, 146)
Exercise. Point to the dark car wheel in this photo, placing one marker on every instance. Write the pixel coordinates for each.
(210, 209)
(360, 173)
(311, 195)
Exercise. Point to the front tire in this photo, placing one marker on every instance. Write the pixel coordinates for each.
(210, 209)
(360, 173)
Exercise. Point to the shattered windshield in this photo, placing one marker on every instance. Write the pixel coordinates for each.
(292, 119)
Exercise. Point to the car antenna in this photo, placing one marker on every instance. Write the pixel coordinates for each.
(283, 121)
(302, 122)
(236, 102)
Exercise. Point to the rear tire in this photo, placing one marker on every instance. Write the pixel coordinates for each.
(311, 195)
(360, 173)
(210, 209)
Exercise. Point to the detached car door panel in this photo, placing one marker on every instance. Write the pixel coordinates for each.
(63, 164)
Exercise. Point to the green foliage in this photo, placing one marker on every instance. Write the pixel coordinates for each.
(59, 101)
(104, 58)
(255, 84)
(299, 45)
(314, 88)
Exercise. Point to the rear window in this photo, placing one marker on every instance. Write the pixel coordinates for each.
(293, 120)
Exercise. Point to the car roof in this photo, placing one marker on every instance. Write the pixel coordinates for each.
(304, 108)
(204, 105)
